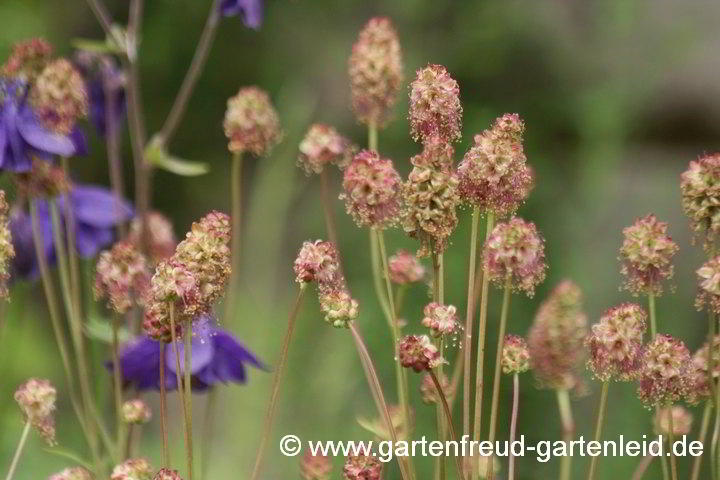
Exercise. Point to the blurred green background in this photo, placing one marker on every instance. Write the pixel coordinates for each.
(618, 97)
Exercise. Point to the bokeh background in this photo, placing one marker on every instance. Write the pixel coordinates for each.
(617, 96)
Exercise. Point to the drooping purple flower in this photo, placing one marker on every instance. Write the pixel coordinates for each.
(22, 135)
(103, 78)
(251, 11)
(217, 357)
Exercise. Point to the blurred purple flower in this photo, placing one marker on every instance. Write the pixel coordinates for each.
(103, 77)
(216, 357)
(251, 11)
(22, 136)
(96, 213)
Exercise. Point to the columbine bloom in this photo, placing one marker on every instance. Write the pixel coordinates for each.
(251, 11)
(217, 357)
(429, 392)
(405, 268)
(700, 186)
(132, 469)
(75, 473)
(557, 336)
(322, 146)
(515, 251)
(161, 237)
(681, 421)
(315, 467)
(338, 306)
(106, 90)
(493, 174)
(419, 353)
(664, 374)
(7, 251)
(36, 399)
(372, 190)
(59, 96)
(22, 134)
(317, 262)
(167, 474)
(440, 319)
(699, 387)
(515, 355)
(136, 412)
(616, 343)
(376, 71)
(435, 108)
(251, 123)
(122, 277)
(646, 254)
(27, 59)
(361, 467)
(709, 285)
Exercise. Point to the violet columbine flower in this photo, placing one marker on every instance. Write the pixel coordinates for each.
(106, 90)
(251, 11)
(22, 134)
(217, 357)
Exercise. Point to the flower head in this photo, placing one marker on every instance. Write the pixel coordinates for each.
(7, 251)
(132, 469)
(372, 190)
(338, 306)
(160, 236)
(43, 180)
(59, 96)
(74, 473)
(27, 59)
(322, 146)
(700, 186)
(122, 277)
(136, 412)
(317, 262)
(376, 71)
(557, 336)
(251, 11)
(315, 467)
(681, 421)
(251, 122)
(440, 319)
(435, 108)
(664, 373)
(615, 343)
(429, 391)
(515, 252)
(405, 268)
(515, 355)
(698, 374)
(361, 467)
(167, 474)
(646, 254)
(36, 399)
(709, 285)
(493, 174)
(419, 353)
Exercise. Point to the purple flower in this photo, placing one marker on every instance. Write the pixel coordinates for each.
(103, 78)
(251, 11)
(22, 136)
(216, 357)
(96, 213)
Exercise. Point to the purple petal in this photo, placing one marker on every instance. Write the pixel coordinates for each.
(42, 139)
(201, 355)
(79, 142)
(98, 207)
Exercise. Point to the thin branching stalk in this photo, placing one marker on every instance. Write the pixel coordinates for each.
(117, 382)
(448, 415)
(72, 249)
(467, 354)
(568, 428)
(697, 462)
(372, 137)
(653, 321)
(498, 371)
(179, 380)
(163, 408)
(18, 451)
(187, 393)
(277, 380)
(327, 207)
(102, 15)
(599, 427)
(642, 467)
(513, 425)
(377, 278)
(207, 433)
(236, 243)
(671, 442)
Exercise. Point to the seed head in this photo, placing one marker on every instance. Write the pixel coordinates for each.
(36, 399)
(372, 190)
(700, 186)
(699, 387)
(251, 122)
(7, 251)
(493, 174)
(322, 146)
(174, 284)
(419, 353)
(681, 421)
(376, 71)
(27, 59)
(440, 319)
(338, 306)
(429, 392)
(709, 285)
(133, 469)
(167, 474)
(315, 467)
(435, 108)
(515, 251)
(557, 336)
(317, 262)
(615, 343)
(122, 277)
(59, 96)
(361, 467)
(515, 355)
(405, 268)
(44, 180)
(160, 238)
(75, 473)
(136, 412)
(646, 254)
(664, 373)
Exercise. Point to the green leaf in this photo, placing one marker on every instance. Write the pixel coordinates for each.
(69, 454)
(96, 46)
(99, 328)
(156, 154)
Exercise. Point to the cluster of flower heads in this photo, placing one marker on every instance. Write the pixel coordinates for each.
(709, 285)
(556, 338)
(419, 353)
(515, 253)
(372, 190)
(36, 399)
(515, 355)
(7, 251)
(318, 262)
(663, 378)
(699, 373)
(435, 108)
(192, 279)
(122, 277)
(376, 71)
(615, 343)
(362, 467)
(646, 255)
(251, 123)
(59, 96)
(700, 186)
(494, 175)
(322, 146)
(440, 319)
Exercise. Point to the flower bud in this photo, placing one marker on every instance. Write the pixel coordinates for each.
(372, 190)
(515, 253)
(167, 474)
(7, 251)
(681, 421)
(133, 469)
(322, 146)
(315, 467)
(709, 285)
(515, 355)
(136, 412)
(75, 473)
(338, 306)
(419, 353)
(615, 343)
(251, 122)
(376, 71)
(435, 108)
(646, 254)
(59, 96)
(122, 277)
(36, 399)
(429, 392)
(405, 268)
(664, 373)
(161, 240)
(317, 262)
(700, 187)
(27, 59)
(440, 319)
(361, 467)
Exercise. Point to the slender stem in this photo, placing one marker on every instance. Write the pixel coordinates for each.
(513, 425)
(697, 462)
(117, 382)
(377, 278)
(642, 467)
(671, 442)
(207, 433)
(327, 207)
(187, 393)
(193, 74)
(112, 145)
(498, 371)
(467, 354)
(18, 451)
(568, 425)
(714, 443)
(236, 239)
(71, 247)
(372, 137)
(163, 408)
(65, 289)
(275, 390)
(599, 427)
(653, 321)
(178, 377)
(448, 415)
(102, 15)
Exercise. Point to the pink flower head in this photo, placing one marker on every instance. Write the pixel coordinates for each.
(251, 123)
(515, 355)
(372, 190)
(419, 353)
(709, 285)
(122, 277)
(74, 473)
(59, 96)
(167, 474)
(36, 399)
(700, 186)
(136, 412)
(405, 268)
(646, 254)
(317, 262)
(338, 306)
(361, 467)
(27, 59)
(515, 252)
(133, 469)
(435, 108)
(681, 421)
(322, 146)
(429, 392)
(315, 467)
(376, 71)
(493, 174)
(43, 180)
(161, 237)
(698, 373)
(664, 374)
(615, 343)
(440, 319)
